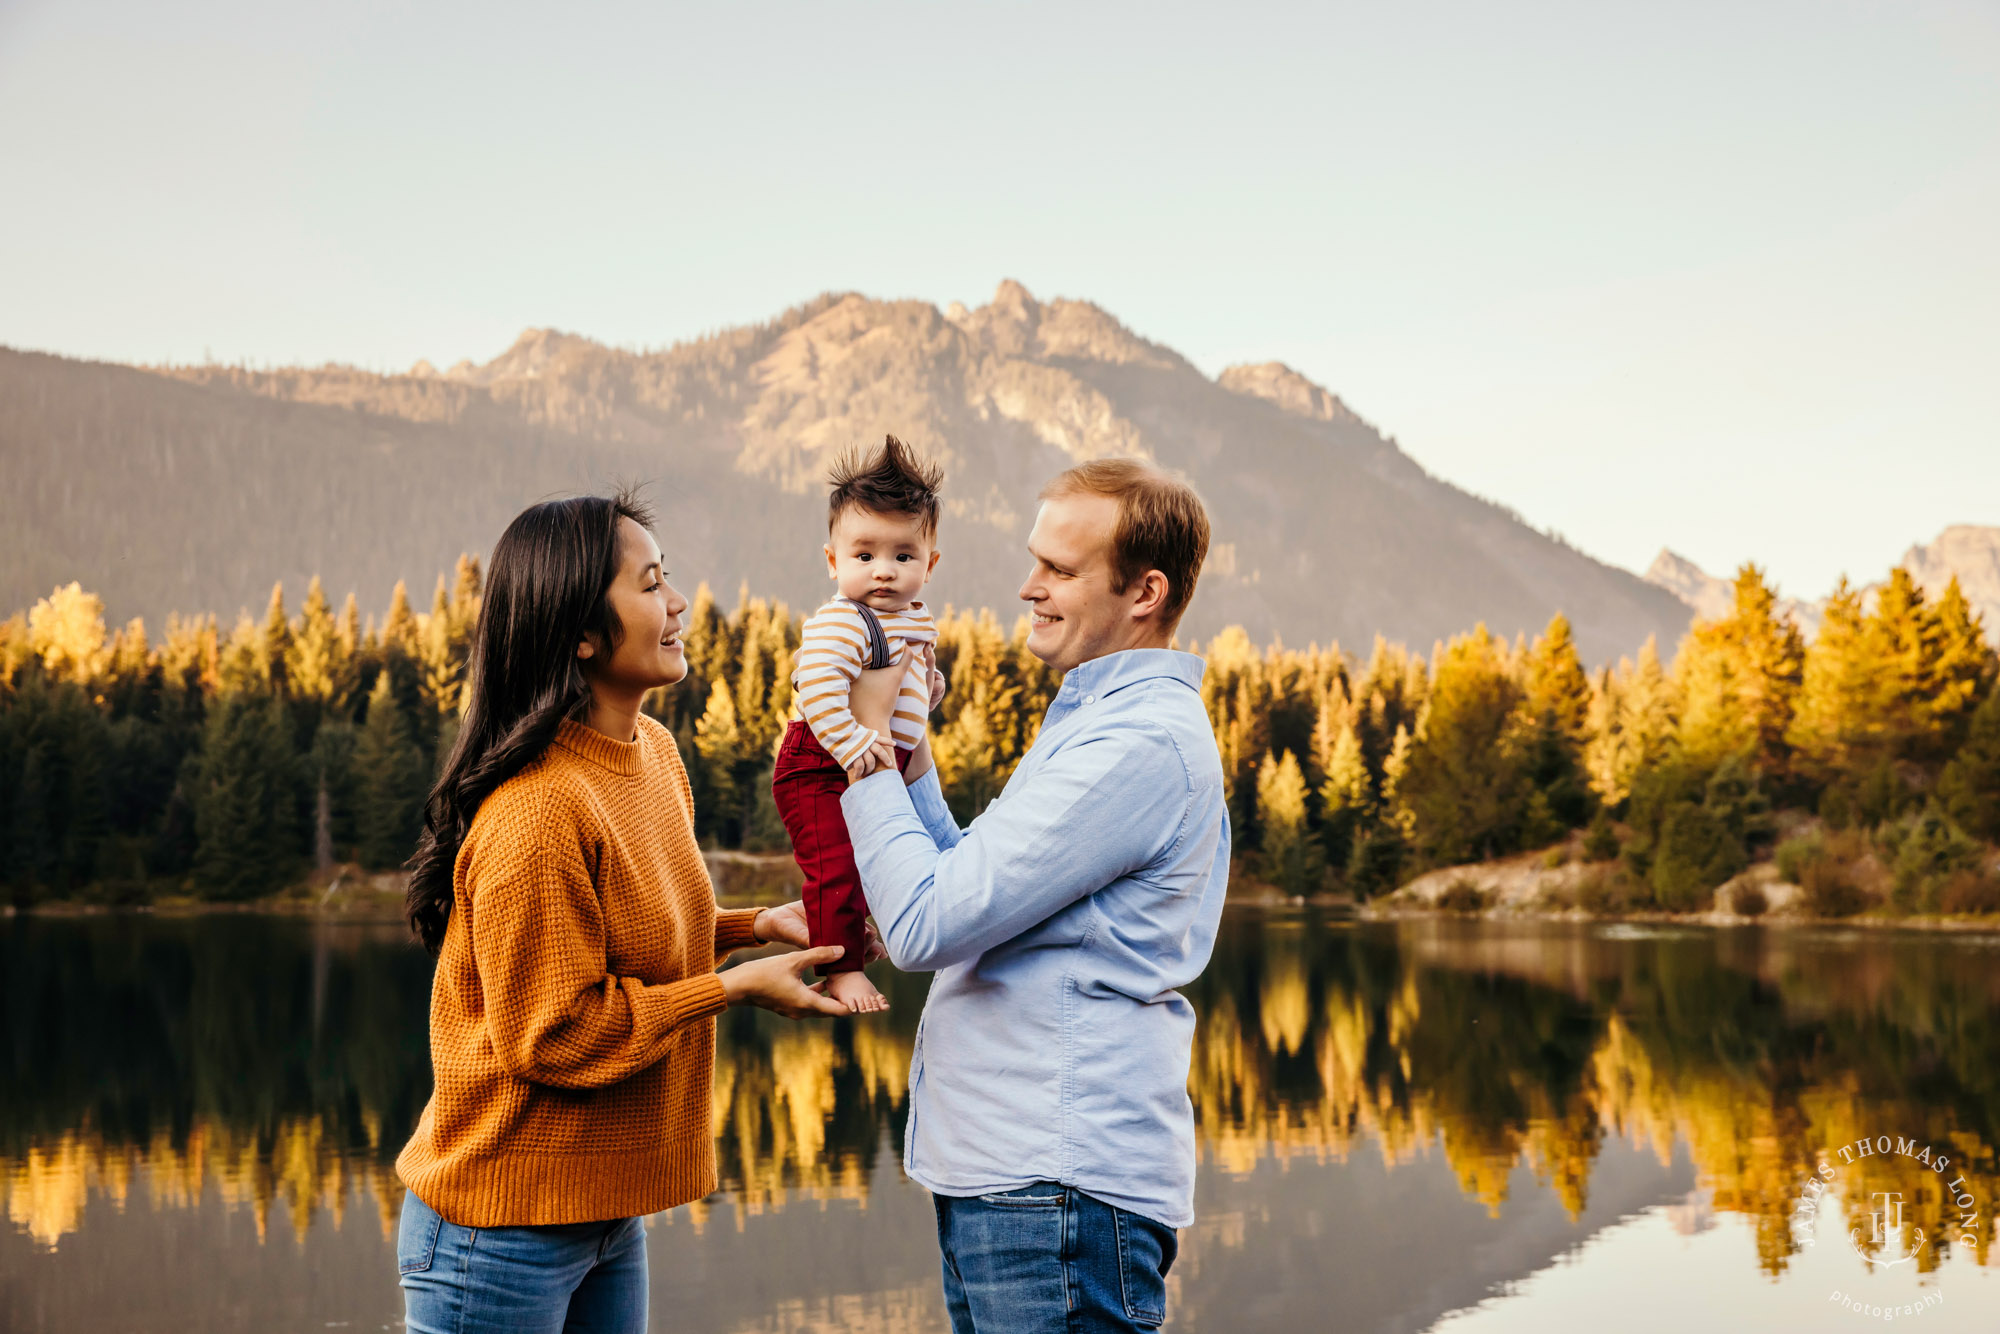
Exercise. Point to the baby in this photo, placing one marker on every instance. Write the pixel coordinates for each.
(881, 531)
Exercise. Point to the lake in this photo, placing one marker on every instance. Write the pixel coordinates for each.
(1438, 1125)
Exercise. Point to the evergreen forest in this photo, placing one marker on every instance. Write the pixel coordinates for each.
(231, 765)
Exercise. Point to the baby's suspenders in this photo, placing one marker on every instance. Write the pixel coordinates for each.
(878, 642)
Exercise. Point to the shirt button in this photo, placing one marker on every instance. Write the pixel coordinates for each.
(1090, 699)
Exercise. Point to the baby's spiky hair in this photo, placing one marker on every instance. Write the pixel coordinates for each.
(894, 479)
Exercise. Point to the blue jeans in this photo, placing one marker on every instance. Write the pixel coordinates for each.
(577, 1278)
(1049, 1259)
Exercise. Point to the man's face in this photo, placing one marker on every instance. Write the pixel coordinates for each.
(1077, 616)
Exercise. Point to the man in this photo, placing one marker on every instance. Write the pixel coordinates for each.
(1049, 1114)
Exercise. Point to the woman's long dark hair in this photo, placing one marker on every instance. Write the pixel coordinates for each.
(545, 591)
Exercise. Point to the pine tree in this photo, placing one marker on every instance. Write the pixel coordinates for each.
(439, 669)
(466, 595)
(1969, 788)
(390, 780)
(241, 665)
(66, 631)
(1907, 643)
(133, 679)
(1346, 793)
(719, 742)
(399, 631)
(330, 772)
(277, 644)
(1557, 689)
(1739, 678)
(31, 854)
(1555, 717)
(244, 798)
(1463, 787)
(1963, 670)
(965, 752)
(348, 628)
(1292, 859)
(1838, 712)
(314, 667)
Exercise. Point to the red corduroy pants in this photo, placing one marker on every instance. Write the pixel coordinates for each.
(807, 784)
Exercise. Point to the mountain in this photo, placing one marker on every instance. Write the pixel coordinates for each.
(1967, 552)
(1972, 555)
(192, 488)
(1710, 598)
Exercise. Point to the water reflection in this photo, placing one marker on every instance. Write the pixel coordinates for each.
(1372, 1075)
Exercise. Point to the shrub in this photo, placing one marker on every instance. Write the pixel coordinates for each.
(1600, 841)
(1463, 896)
(1749, 901)
(1376, 863)
(1830, 889)
(1606, 889)
(1973, 890)
(1556, 856)
(1795, 854)
(1926, 849)
(1697, 851)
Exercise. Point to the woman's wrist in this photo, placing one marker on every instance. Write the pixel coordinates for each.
(757, 927)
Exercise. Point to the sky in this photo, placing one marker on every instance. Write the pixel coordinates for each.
(1720, 277)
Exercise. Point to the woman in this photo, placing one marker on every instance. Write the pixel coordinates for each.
(577, 935)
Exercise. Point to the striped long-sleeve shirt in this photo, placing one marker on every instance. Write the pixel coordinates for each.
(833, 650)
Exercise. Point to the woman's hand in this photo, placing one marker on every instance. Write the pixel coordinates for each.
(778, 984)
(786, 925)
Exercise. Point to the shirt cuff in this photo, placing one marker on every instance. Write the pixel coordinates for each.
(928, 798)
(877, 795)
(735, 929)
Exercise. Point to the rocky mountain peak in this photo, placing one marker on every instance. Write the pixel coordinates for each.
(1012, 301)
(531, 355)
(1278, 383)
(1968, 553)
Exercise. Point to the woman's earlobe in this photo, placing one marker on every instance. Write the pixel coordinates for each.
(585, 649)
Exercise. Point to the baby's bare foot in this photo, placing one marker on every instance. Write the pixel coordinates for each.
(856, 992)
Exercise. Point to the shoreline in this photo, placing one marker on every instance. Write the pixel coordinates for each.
(743, 879)
(1931, 925)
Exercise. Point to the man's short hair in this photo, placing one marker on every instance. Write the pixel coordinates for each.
(1162, 525)
(894, 479)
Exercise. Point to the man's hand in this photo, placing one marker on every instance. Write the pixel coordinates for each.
(786, 925)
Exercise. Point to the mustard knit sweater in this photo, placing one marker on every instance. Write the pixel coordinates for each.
(573, 1008)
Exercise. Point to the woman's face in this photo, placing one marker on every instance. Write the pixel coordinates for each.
(650, 609)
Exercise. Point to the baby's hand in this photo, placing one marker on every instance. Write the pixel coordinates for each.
(938, 687)
(881, 754)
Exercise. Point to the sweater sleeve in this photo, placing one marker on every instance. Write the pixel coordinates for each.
(554, 1014)
(735, 929)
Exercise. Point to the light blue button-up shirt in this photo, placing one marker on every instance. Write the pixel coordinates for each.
(1054, 1044)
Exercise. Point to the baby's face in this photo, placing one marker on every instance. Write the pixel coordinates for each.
(882, 560)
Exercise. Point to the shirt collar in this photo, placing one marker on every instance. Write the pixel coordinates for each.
(1115, 671)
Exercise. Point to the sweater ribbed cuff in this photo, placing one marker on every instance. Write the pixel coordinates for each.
(695, 998)
(736, 929)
